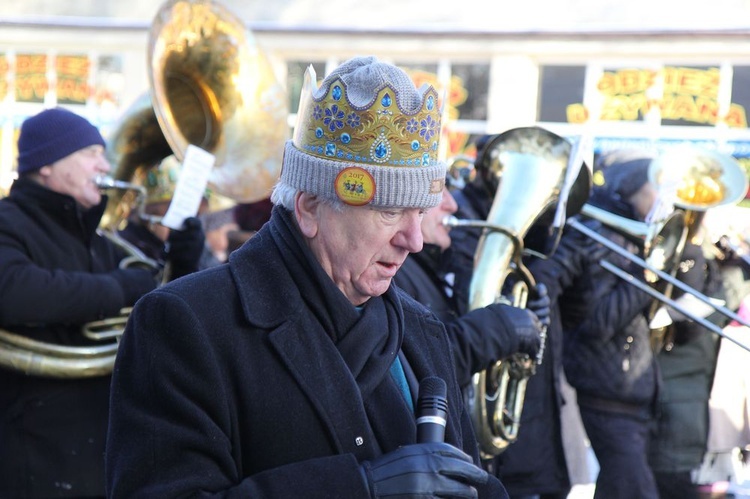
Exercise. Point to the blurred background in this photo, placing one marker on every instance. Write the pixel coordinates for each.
(646, 73)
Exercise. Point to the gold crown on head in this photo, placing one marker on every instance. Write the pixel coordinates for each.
(381, 132)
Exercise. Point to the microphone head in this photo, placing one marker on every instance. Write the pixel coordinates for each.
(433, 394)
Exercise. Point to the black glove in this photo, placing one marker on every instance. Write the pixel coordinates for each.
(423, 470)
(540, 305)
(186, 247)
(135, 282)
(526, 326)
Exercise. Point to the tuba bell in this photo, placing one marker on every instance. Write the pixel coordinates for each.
(211, 87)
(698, 179)
(537, 172)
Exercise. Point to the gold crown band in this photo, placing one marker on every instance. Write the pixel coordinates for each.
(381, 132)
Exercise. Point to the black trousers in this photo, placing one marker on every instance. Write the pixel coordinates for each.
(678, 485)
(620, 443)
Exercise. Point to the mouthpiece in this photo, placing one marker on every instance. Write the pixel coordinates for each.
(106, 182)
(450, 221)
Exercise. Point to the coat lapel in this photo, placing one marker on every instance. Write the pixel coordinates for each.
(322, 374)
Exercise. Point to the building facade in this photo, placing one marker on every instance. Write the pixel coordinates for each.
(651, 88)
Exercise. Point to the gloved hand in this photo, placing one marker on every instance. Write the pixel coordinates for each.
(186, 247)
(423, 470)
(541, 305)
(526, 326)
(135, 282)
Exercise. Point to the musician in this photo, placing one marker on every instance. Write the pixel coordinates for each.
(293, 371)
(687, 363)
(535, 463)
(179, 252)
(56, 274)
(607, 352)
(479, 337)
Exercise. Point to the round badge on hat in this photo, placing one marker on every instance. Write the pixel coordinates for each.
(355, 186)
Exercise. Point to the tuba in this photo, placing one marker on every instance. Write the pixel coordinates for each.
(211, 87)
(537, 172)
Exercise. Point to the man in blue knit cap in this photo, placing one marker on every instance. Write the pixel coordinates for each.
(56, 274)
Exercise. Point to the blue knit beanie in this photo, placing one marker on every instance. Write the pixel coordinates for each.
(52, 135)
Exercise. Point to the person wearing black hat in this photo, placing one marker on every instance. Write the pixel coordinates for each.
(607, 350)
(56, 274)
(535, 464)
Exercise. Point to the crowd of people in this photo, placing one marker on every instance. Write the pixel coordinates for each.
(287, 360)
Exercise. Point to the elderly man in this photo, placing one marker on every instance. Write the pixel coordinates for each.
(293, 371)
(56, 274)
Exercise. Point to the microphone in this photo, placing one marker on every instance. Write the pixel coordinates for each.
(432, 410)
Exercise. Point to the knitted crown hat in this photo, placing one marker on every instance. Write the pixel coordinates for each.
(159, 181)
(367, 136)
(52, 135)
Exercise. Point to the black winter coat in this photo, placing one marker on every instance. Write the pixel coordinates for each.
(607, 350)
(535, 462)
(56, 274)
(228, 385)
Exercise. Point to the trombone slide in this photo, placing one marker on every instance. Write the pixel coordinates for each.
(575, 224)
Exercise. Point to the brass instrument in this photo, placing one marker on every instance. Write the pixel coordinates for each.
(532, 166)
(577, 225)
(700, 179)
(662, 241)
(211, 87)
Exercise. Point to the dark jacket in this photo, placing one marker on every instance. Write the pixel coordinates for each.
(535, 462)
(229, 382)
(687, 369)
(56, 274)
(479, 338)
(607, 351)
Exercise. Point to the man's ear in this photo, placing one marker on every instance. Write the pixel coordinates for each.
(307, 212)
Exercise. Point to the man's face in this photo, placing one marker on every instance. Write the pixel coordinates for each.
(75, 175)
(360, 248)
(433, 229)
(643, 200)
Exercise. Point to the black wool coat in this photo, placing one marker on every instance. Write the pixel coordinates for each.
(226, 385)
(53, 278)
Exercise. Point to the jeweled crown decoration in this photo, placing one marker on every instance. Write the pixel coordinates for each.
(379, 133)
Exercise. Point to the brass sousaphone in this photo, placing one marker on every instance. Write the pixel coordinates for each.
(212, 87)
(537, 172)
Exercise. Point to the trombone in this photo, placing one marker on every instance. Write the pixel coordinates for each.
(699, 179)
(577, 225)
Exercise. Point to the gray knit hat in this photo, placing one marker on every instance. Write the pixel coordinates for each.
(367, 136)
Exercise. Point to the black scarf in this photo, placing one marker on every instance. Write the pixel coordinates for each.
(368, 341)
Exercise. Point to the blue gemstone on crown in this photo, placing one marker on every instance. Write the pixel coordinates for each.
(336, 93)
(386, 101)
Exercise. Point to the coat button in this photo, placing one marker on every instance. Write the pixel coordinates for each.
(359, 441)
